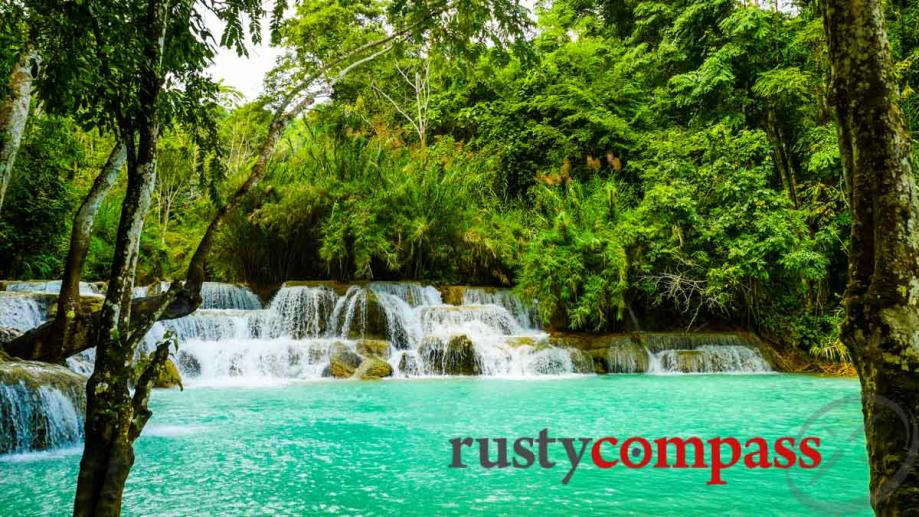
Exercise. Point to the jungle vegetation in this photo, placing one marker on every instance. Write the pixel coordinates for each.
(621, 162)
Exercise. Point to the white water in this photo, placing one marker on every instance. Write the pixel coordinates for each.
(216, 295)
(21, 311)
(232, 339)
(295, 335)
(526, 313)
(42, 418)
(708, 359)
(50, 286)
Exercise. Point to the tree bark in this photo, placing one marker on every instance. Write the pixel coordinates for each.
(14, 111)
(69, 298)
(881, 329)
(108, 454)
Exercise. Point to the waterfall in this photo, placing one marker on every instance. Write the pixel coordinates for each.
(492, 333)
(21, 311)
(525, 313)
(211, 325)
(51, 287)
(216, 295)
(709, 359)
(297, 312)
(41, 407)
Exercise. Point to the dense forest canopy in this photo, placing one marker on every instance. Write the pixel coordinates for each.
(617, 161)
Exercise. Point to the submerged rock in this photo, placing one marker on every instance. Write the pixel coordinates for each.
(41, 406)
(373, 368)
(455, 357)
(374, 347)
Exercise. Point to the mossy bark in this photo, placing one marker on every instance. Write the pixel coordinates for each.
(114, 418)
(881, 329)
(14, 112)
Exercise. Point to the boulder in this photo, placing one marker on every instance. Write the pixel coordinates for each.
(456, 356)
(374, 348)
(373, 368)
(169, 376)
(343, 362)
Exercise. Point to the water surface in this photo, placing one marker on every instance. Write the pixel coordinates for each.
(376, 448)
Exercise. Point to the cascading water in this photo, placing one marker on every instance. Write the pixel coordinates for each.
(51, 287)
(525, 313)
(216, 295)
(21, 311)
(491, 333)
(296, 336)
(41, 406)
(702, 353)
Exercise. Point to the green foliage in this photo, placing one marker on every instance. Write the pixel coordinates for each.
(665, 164)
(35, 225)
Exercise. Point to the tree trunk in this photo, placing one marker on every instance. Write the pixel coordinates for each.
(108, 453)
(881, 329)
(69, 299)
(14, 111)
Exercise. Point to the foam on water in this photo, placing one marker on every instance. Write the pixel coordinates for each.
(21, 311)
(294, 337)
(216, 295)
(51, 287)
(38, 418)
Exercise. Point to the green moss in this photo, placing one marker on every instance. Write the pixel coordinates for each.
(373, 368)
(374, 347)
(169, 376)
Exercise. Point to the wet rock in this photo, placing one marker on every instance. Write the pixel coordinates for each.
(516, 341)
(343, 362)
(368, 318)
(374, 347)
(409, 365)
(373, 368)
(8, 334)
(169, 376)
(452, 294)
(189, 364)
(581, 361)
(626, 357)
(88, 305)
(456, 356)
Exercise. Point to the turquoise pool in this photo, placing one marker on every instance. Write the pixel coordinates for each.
(376, 448)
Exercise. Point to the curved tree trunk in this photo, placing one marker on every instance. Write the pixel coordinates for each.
(68, 302)
(14, 111)
(881, 329)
